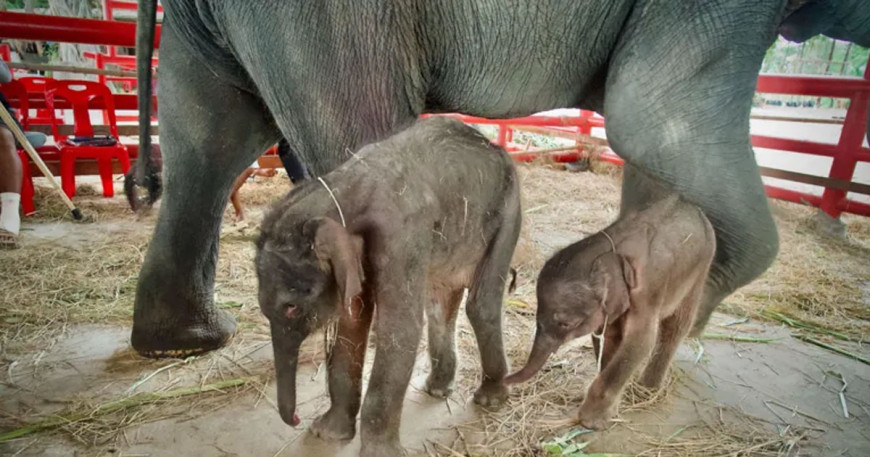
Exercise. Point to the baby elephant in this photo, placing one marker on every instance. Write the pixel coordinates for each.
(639, 283)
(399, 230)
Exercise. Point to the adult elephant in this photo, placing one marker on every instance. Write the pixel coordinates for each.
(674, 79)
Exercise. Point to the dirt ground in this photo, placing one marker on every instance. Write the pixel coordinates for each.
(67, 307)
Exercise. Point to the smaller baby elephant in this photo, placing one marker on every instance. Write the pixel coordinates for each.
(639, 283)
(395, 234)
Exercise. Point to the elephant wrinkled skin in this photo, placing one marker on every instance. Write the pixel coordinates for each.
(428, 212)
(639, 283)
(674, 79)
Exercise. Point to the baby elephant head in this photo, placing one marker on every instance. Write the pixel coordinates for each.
(307, 273)
(575, 295)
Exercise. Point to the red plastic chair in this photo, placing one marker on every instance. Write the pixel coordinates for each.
(16, 90)
(39, 85)
(26, 185)
(79, 94)
(15, 93)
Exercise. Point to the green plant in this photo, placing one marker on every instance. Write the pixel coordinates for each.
(566, 446)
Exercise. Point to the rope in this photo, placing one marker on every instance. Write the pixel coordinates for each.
(340, 214)
(600, 339)
(612, 244)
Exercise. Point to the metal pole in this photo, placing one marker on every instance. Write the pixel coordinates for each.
(830, 55)
(846, 57)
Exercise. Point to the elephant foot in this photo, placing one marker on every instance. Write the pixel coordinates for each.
(181, 337)
(439, 388)
(491, 395)
(384, 448)
(594, 416)
(334, 426)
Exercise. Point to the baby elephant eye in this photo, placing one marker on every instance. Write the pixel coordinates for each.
(305, 291)
(568, 324)
(289, 311)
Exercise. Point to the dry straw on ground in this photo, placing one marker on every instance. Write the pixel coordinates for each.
(167, 388)
(90, 200)
(90, 274)
(546, 408)
(87, 273)
(815, 278)
(49, 285)
(743, 436)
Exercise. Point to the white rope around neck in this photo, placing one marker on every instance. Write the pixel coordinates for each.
(334, 200)
(600, 337)
(330, 336)
(612, 244)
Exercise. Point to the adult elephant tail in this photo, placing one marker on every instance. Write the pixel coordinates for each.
(145, 173)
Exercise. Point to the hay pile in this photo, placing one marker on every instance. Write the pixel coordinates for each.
(47, 286)
(87, 273)
(817, 279)
(89, 199)
(70, 274)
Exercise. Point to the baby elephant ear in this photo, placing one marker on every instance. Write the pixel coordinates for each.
(631, 272)
(334, 244)
(612, 298)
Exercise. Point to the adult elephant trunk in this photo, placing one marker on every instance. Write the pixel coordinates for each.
(285, 344)
(145, 172)
(543, 346)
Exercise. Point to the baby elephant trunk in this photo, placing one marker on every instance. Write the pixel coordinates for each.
(543, 346)
(286, 359)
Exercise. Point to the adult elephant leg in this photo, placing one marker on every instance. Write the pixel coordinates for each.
(678, 98)
(292, 165)
(209, 133)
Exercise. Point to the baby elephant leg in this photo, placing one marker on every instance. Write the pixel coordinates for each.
(442, 347)
(344, 373)
(484, 306)
(398, 324)
(672, 330)
(637, 340)
(612, 341)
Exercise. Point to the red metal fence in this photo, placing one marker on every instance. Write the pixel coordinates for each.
(846, 153)
(38, 27)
